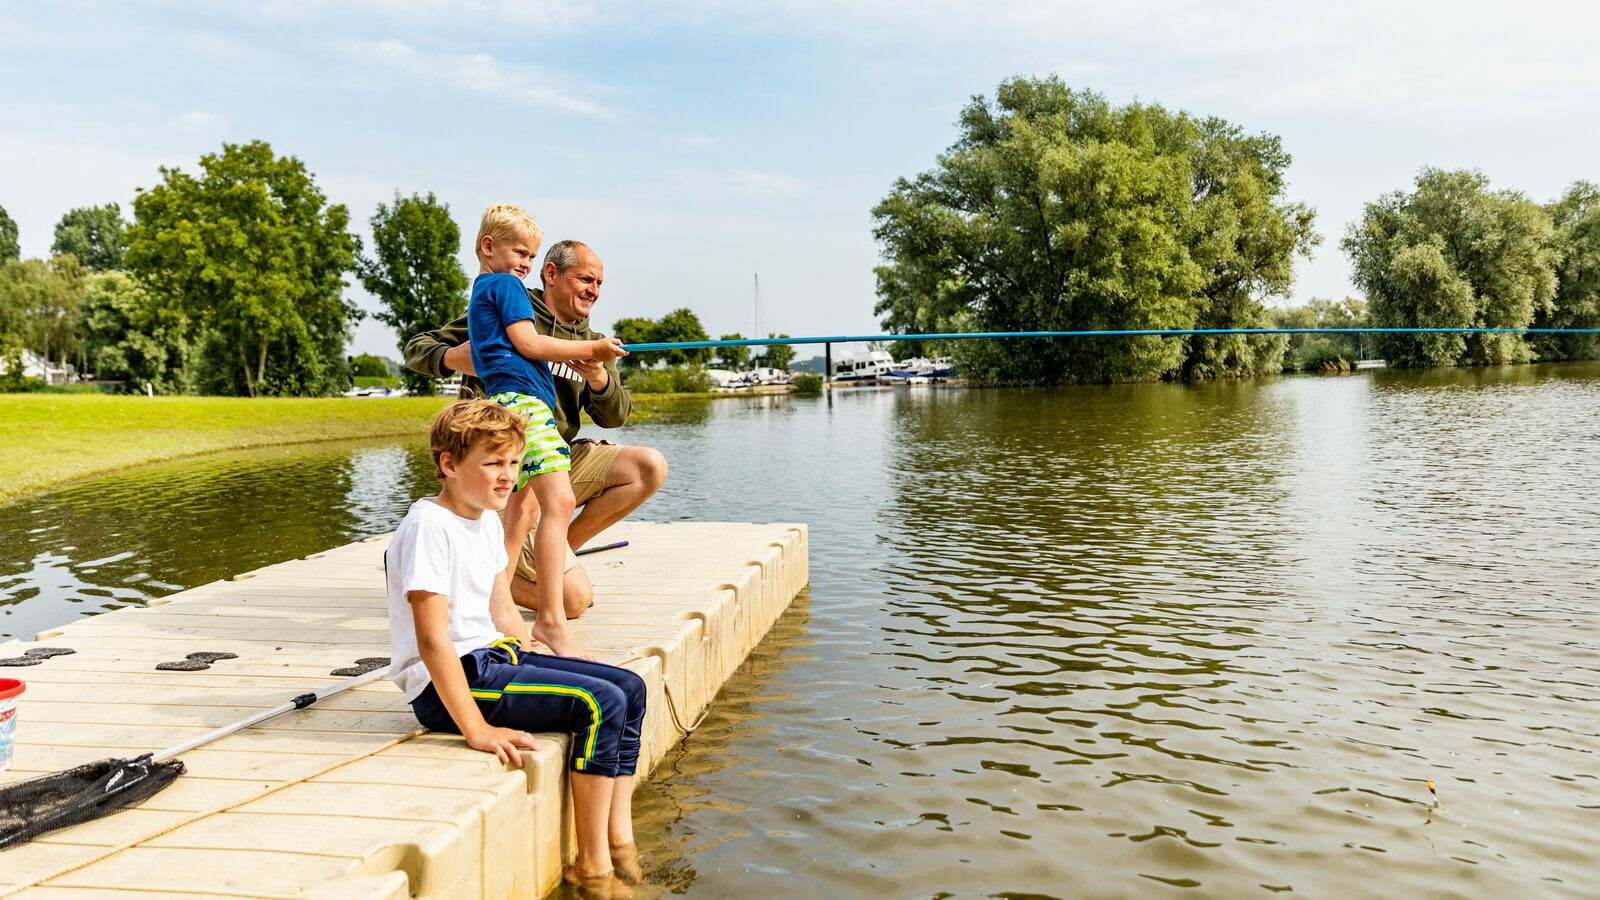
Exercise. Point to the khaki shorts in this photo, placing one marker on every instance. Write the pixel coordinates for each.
(591, 460)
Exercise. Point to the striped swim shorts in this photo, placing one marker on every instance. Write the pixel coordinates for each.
(545, 451)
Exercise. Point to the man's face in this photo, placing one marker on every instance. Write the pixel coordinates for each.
(571, 294)
(483, 479)
(513, 254)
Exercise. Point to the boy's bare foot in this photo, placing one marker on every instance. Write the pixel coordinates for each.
(604, 886)
(559, 639)
(625, 857)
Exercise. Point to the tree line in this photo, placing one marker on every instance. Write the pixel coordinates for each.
(1055, 210)
(228, 280)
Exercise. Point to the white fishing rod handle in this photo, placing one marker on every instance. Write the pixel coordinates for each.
(299, 702)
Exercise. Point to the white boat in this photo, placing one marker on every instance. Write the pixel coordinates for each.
(920, 369)
(869, 366)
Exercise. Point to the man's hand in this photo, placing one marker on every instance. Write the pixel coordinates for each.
(459, 359)
(503, 743)
(593, 371)
(606, 349)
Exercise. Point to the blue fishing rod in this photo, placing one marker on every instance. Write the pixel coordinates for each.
(1126, 332)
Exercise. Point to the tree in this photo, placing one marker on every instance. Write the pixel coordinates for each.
(258, 257)
(9, 247)
(40, 303)
(414, 271)
(1454, 254)
(1055, 211)
(633, 330)
(96, 235)
(734, 358)
(680, 325)
(131, 335)
(1576, 217)
(778, 356)
(369, 365)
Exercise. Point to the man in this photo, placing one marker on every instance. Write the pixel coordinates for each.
(608, 480)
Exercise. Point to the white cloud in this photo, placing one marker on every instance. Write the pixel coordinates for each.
(527, 85)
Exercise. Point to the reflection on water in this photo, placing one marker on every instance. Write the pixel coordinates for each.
(1105, 641)
(153, 530)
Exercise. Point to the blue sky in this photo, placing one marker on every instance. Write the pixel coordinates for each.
(698, 143)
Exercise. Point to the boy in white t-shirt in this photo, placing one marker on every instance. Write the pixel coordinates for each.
(461, 651)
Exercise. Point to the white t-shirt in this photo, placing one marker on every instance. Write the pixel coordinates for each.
(436, 550)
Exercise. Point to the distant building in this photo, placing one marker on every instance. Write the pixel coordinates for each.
(36, 366)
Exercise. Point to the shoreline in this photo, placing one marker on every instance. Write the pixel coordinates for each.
(48, 441)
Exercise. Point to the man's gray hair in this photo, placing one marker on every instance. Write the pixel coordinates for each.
(562, 254)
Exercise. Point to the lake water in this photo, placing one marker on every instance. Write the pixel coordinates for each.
(1135, 640)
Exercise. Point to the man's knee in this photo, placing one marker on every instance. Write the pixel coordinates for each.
(577, 594)
(652, 468)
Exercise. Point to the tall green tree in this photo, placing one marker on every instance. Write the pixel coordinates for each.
(680, 325)
(129, 334)
(778, 356)
(1056, 211)
(96, 235)
(9, 247)
(40, 301)
(1454, 254)
(734, 358)
(258, 256)
(1576, 217)
(413, 270)
(634, 330)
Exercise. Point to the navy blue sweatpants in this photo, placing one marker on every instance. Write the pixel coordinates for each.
(601, 706)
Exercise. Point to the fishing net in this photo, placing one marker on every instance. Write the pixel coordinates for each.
(31, 808)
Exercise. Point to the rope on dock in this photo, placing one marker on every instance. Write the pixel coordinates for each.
(128, 845)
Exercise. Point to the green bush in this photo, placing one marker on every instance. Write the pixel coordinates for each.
(807, 383)
(670, 380)
(369, 381)
(1319, 354)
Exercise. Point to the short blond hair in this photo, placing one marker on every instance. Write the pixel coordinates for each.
(503, 221)
(465, 424)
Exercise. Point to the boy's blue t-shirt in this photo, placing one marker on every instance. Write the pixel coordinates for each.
(497, 301)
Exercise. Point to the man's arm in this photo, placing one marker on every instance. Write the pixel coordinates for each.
(431, 615)
(425, 352)
(609, 404)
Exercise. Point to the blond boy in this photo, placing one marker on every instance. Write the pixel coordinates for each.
(461, 650)
(510, 356)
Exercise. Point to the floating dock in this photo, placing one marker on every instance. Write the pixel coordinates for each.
(347, 799)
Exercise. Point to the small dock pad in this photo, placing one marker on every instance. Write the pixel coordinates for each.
(346, 799)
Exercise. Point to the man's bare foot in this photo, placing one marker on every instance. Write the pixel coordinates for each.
(558, 638)
(625, 857)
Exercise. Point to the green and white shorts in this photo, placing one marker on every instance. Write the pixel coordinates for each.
(545, 451)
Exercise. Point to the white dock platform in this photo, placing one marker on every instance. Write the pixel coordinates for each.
(344, 800)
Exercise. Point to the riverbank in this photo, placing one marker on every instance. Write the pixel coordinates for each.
(50, 439)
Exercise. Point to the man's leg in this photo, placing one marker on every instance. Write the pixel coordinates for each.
(634, 477)
(577, 593)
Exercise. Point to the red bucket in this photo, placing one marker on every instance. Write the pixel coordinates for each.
(10, 690)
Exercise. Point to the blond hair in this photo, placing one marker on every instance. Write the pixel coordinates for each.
(503, 221)
(466, 423)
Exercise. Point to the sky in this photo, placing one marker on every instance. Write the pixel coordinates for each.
(698, 145)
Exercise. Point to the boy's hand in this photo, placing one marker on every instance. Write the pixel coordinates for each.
(606, 349)
(502, 742)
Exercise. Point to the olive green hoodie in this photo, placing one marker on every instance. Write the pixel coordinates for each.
(609, 408)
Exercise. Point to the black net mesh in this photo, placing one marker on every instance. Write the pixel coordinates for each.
(31, 808)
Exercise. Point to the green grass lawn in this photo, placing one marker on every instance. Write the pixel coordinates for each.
(46, 439)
